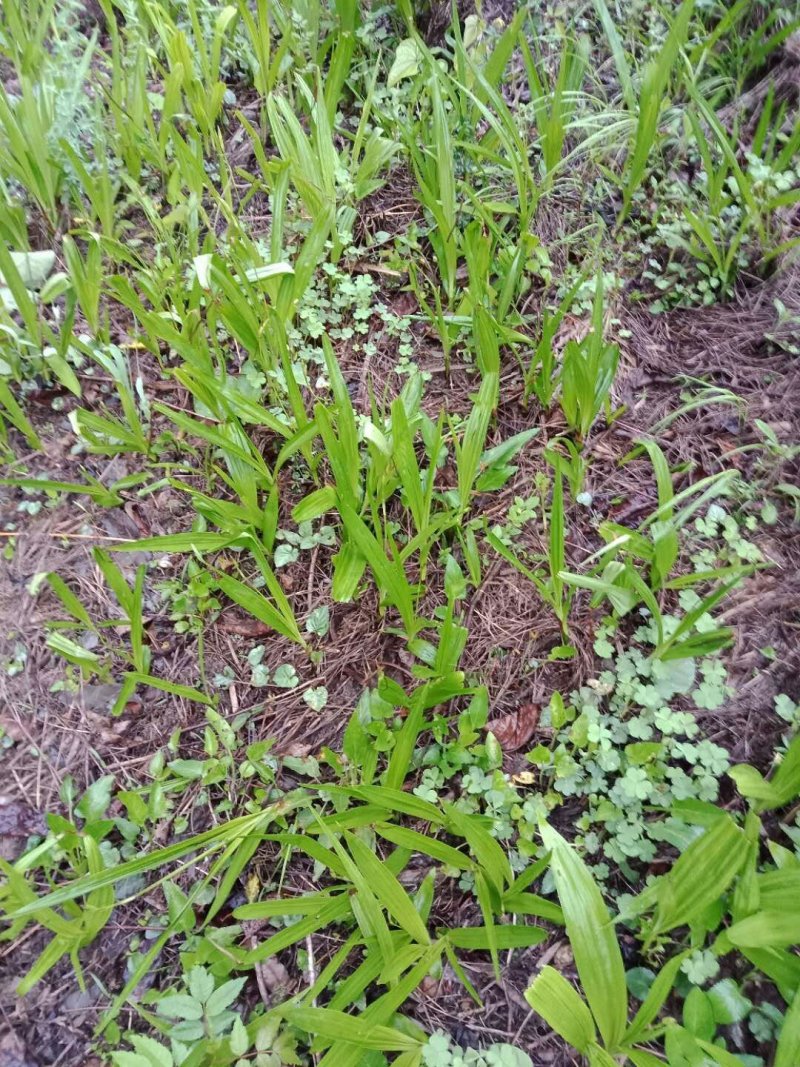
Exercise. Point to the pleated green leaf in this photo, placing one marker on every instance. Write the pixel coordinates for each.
(592, 938)
(552, 997)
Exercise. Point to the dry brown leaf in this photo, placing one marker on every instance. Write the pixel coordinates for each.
(13, 1052)
(17, 821)
(295, 749)
(11, 728)
(230, 624)
(515, 730)
(524, 778)
(273, 974)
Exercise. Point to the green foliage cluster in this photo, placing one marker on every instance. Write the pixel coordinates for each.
(186, 191)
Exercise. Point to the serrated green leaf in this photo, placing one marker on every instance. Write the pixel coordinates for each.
(156, 1054)
(224, 996)
(180, 1006)
(201, 984)
(134, 1059)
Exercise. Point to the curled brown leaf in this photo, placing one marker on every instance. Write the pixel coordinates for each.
(515, 729)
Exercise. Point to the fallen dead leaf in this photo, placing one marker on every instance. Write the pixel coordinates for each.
(17, 821)
(524, 778)
(274, 974)
(230, 624)
(11, 728)
(13, 1052)
(515, 730)
(295, 749)
(271, 975)
(429, 986)
(252, 887)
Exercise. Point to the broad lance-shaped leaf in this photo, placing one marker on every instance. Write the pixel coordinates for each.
(381, 1011)
(469, 452)
(348, 567)
(598, 1057)
(552, 997)
(654, 1001)
(752, 785)
(215, 838)
(767, 929)
(389, 574)
(592, 938)
(364, 903)
(388, 890)
(786, 779)
(651, 99)
(487, 851)
(502, 937)
(338, 1026)
(699, 877)
(781, 966)
(485, 900)
(640, 1058)
(429, 846)
(185, 542)
(406, 463)
(258, 606)
(779, 890)
(787, 1053)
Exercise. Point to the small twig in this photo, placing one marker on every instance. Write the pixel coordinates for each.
(251, 940)
(311, 570)
(312, 970)
(522, 1026)
(68, 536)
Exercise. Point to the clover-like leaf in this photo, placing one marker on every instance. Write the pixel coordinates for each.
(406, 63)
(673, 676)
(259, 676)
(316, 698)
(285, 677)
(319, 621)
(285, 554)
(786, 708)
(33, 267)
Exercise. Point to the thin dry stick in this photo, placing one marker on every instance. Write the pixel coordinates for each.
(312, 970)
(68, 536)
